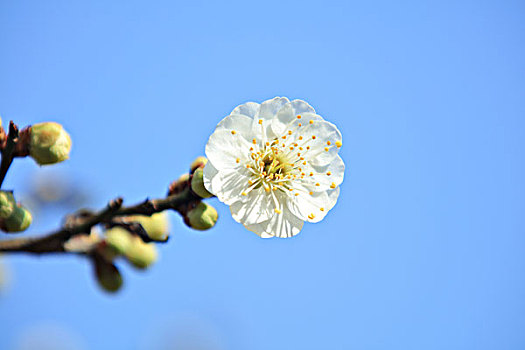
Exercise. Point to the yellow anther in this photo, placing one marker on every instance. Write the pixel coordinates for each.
(311, 216)
(233, 132)
(254, 141)
(244, 194)
(296, 194)
(251, 149)
(311, 121)
(307, 147)
(326, 149)
(277, 211)
(299, 125)
(284, 137)
(328, 173)
(248, 166)
(237, 160)
(303, 174)
(298, 154)
(321, 209)
(304, 163)
(311, 193)
(289, 132)
(328, 143)
(260, 121)
(317, 184)
(267, 143)
(300, 148)
(250, 182)
(333, 185)
(338, 144)
(311, 174)
(298, 117)
(290, 189)
(267, 189)
(300, 138)
(313, 137)
(302, 158)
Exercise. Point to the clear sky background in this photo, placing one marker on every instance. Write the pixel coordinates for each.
(426, 246)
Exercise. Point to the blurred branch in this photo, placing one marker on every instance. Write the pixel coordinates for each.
(8, 151)
(82, 222)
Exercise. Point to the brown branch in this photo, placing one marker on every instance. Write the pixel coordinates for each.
(83, 222)
(8, 151)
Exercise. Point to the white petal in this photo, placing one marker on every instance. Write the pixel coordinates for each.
(209, 173)
(238, 123)
(257, 208)
(287, 120)
(308, 207)
(228, 185)
(269, 108)
(280, 225)
(249, 109)
(336, 170)
(301, 107)
(223, 149)
(323, 132)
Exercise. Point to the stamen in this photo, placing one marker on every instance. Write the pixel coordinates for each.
(234, 132)
(333, 185)
(338, 144)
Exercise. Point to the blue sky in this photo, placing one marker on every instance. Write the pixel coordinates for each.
(425, 248)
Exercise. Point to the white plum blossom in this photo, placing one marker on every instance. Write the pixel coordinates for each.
(276, 165)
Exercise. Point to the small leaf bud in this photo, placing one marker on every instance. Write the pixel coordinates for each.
(202, 217)
(156, 225)
(140, 254)
(49, 143)
(197, 184)
(18, 221)
(108, 276)
(199, 162)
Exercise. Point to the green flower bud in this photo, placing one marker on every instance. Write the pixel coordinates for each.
(108, 276)
(156, 225)
(18, 221)
(119, 239)
(140, 254)
(202, 217)
(7, 204)
(197, 184)
(199, 162)
(49, 144)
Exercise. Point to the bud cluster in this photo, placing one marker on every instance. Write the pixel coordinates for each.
(196, 214)
(46, 143)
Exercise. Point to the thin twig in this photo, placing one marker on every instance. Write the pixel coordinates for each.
(8, 151)
(54, 242)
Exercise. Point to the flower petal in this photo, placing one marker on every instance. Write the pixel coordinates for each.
(312, 207)
(257, 208)
(223, 149)
(249, 109)
(282, 225)
(269, 108)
